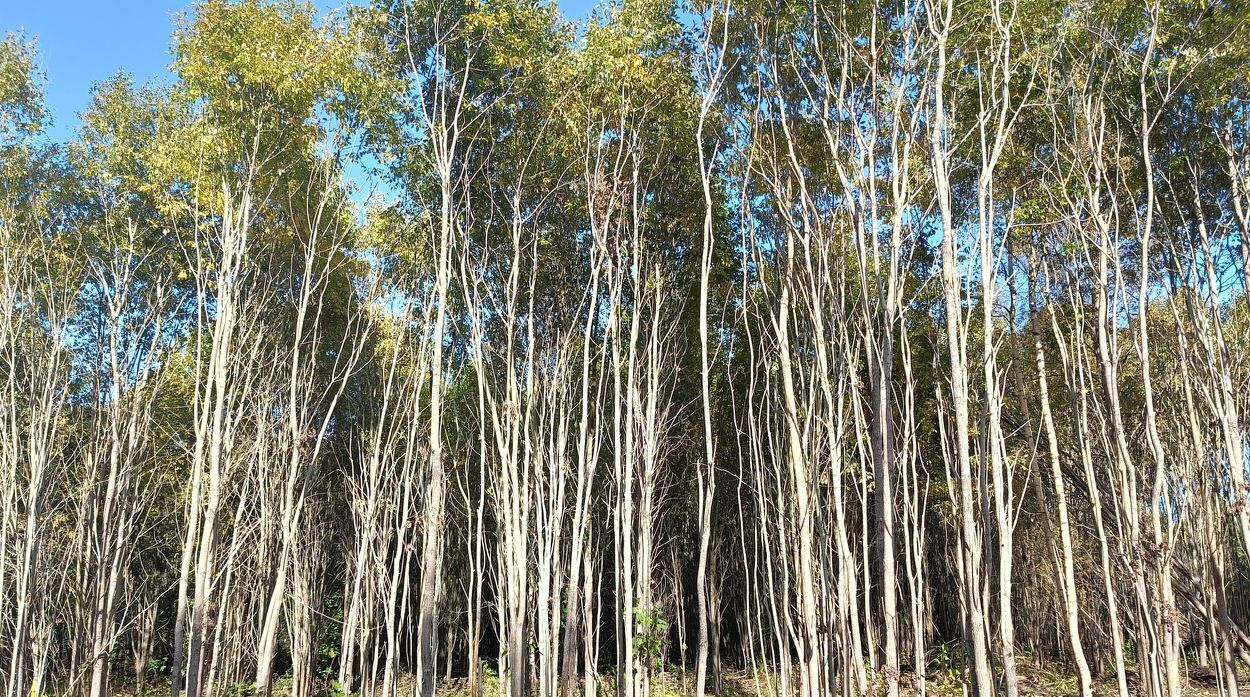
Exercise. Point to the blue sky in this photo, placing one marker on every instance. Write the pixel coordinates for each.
(82, 42)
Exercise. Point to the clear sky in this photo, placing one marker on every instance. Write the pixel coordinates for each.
(82, 42)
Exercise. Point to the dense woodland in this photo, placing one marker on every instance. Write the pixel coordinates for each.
(789, 347)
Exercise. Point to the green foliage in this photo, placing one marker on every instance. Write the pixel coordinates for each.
(949, 661)
(260, 68)
(158, 665)
(241, 689)
(21, 90)
(651, 635)
(329, 640)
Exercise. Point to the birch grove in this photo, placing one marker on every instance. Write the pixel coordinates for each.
(771, 347)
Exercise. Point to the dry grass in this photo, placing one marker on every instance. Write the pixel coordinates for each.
(1199, 682)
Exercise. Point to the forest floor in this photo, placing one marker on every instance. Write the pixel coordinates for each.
(1200, 682)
